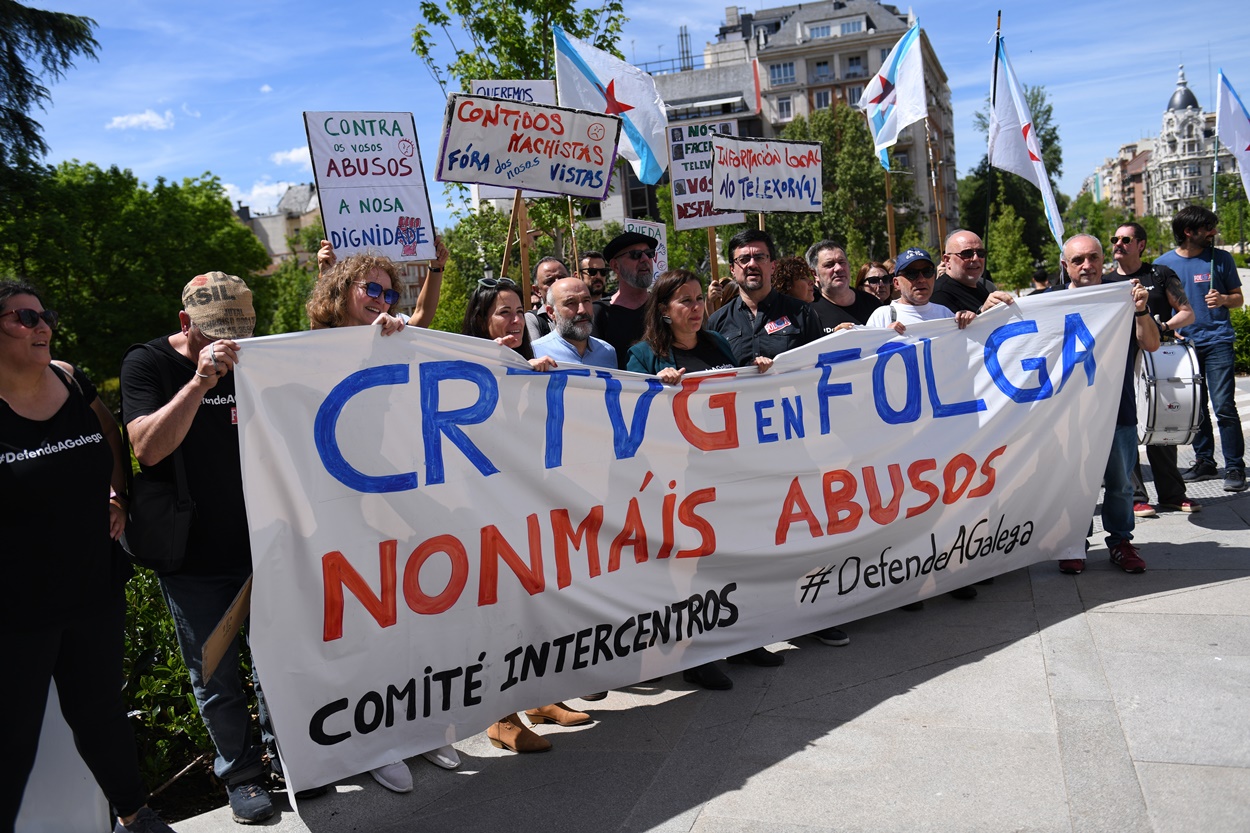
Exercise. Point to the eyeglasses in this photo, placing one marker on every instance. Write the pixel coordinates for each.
(913, 274)
(594, 270)
(374, 290)
(29, 318)
(877, 279)
(744, 260)
(1118, 240)
(969, 254)
(638, 254)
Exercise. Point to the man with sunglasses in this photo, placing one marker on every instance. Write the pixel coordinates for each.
(1209, 276)
(1168, 304)
(963, 284)
(595, 272)
(761, 322)
(914, 274)
(839, 304)
(619, 320)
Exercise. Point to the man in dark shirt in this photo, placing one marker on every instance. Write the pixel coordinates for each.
(761, 321)
(963, 284)
(619, 319)
(839, 304)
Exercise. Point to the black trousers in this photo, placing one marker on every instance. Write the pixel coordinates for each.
(1168, 481)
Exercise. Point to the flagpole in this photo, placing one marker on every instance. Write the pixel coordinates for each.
(889, 196)
(989, 190)
(933, 186)
(1215, 164)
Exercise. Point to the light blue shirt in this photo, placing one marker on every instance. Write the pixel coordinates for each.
(598, 352)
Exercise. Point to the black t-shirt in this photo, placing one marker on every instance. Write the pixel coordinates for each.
(781, 324)
(54, 479)
(956, 296)
(706, 355)
(619, 326)
(831, 314)
(1159, 281)
(218, 542)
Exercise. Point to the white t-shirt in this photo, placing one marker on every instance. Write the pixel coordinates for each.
(907, 313)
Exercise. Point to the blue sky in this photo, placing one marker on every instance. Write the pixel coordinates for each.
(185, 88)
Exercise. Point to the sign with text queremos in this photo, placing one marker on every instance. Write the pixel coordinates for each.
(556, 150)
(370, 183)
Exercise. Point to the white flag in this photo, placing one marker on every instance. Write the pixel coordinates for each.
(591, 79)
(895, 97)
(1232, 125)
(1013, 142)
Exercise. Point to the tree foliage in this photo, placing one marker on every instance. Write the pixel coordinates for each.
(34, 36)
(112, 254)
(1013, 263)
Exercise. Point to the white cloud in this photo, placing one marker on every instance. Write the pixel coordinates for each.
(295, 156)
(187, 111)
(263, 197)
(147, 120)
(265, 88)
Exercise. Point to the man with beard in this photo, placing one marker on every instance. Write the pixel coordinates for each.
(594, 271)
(761, 321)
(1168, 304)
(839, 304)
(962, 284)
(619, 320)
(1209, 276)
(570, 342)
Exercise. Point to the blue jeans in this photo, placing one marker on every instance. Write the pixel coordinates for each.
(1215, 363)
(1117, 482)
(197, 604)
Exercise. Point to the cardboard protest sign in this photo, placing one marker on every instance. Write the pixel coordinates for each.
(441, 535)
(657, 230)
(370, 183)
(766, 175)
(690, 175)
(528, 92)
(493, 141)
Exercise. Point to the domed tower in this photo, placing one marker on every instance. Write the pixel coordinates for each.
(1180, 165)
(1183, 98)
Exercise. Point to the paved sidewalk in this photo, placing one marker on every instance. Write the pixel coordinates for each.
(1103, 702)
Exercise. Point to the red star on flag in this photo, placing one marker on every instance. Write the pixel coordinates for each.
(1030, 142)
(614, 107)
(887, 92)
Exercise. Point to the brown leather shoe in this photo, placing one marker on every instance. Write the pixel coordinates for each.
(511, 733)
(557, 713)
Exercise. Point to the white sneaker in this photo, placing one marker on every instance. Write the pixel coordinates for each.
(395, 777)
(445, 757)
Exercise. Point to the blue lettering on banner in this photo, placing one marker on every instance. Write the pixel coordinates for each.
(792, 417)
(910, 412)
(939, 409)
(824, 390)
(557, 381)
(1037, 363)
(762, 422)
(327, 419)
(1074, 330)
(435, 422)
(626, 441)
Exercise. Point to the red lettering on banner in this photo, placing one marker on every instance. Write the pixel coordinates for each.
(840, 500)
(416, 598)
(987, 485)
(883, 514)
(687, 515)
(795, 508)
(587, 530)
(337, 573)
(727, 437)
(633, 534)
(914, 472)
(494, 547)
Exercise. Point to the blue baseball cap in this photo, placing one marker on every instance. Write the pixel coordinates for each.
(909, 257)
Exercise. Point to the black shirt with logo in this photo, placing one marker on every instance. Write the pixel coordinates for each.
(782, 323)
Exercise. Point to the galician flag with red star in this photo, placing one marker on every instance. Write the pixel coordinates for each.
(895, 98)
(591, 79)
(1013, 142)
(1232, 125)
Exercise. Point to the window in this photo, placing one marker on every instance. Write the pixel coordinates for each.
(902, 160)
(779, 74)
(853, 94)
(885, 53)
(785, 112)
(822, 99)
(822, 69)
(855, 67)
(852, 27)
(822, 31)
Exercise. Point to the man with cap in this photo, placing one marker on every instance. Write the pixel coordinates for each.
(914, 273)
(570, 342)
(619, 320)
(178, 406)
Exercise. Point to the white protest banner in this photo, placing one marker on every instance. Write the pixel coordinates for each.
(657, 230)
(528, 92)
(370, 184)
(492, 141)
(442, 536)
(766, 175)
(690, 173)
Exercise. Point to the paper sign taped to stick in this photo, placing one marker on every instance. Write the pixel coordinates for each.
(494, 141)
(370, 184)
(766, 175)
(657, 230)
(690, 175)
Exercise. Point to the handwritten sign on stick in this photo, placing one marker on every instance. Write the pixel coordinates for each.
(556, 150)
(766, 175)
(371, 184)
(690, 149)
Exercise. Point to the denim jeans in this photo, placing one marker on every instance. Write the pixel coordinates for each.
(1117, 482)
(1215, 362)
(197, 604)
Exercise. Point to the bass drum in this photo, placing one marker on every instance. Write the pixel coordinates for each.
(1169, 393)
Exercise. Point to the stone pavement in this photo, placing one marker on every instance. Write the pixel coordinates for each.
(1102, 702)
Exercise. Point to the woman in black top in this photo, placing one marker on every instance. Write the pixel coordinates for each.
(62, 477)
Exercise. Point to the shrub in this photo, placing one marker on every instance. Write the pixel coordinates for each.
(1241, 347)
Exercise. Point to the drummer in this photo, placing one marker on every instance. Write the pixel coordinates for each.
(1170, 307)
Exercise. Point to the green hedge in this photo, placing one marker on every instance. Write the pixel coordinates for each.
(1241, 348)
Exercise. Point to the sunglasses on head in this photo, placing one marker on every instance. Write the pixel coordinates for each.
(969, 254)
(374, 290)
(638, 254)
(923, 272)
(495, 283)
(29, 318)
(595, 270)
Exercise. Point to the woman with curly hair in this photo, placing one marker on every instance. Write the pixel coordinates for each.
(792, 276)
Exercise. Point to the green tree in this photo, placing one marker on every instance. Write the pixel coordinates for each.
(112, 254)
(51, 39)
(1089, 217)
(1013, 263)
(1231, 205)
